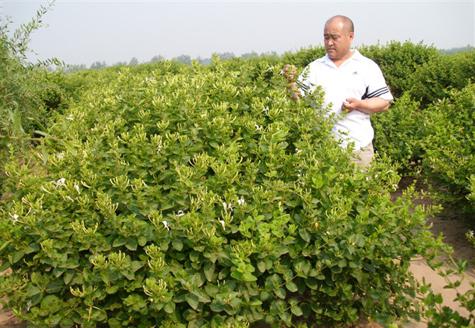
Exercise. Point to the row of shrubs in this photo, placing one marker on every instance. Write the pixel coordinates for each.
(428, 130)
(202, 196)
(423, 80)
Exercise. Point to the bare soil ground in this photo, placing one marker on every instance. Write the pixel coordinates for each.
(454, 235)
(451, 223)
(7, 319)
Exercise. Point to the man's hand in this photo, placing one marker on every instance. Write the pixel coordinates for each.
(368, 106)
(351, 104)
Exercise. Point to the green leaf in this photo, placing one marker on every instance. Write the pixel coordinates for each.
(169, 307)
(296, 310)
(16, 256)
(114, 323)
(112, 289)
(142, 241)
(211, 290)
(32, 290)
(255, 302)
(197, 280)
(342, 263)
(51, 304)
(216, 306)
(192, 300)
(177, 244)
(4, 245)
(261, 266)
(358, 275)
(202, 297)
(305, 234)
(280, 293)
(131, 244)
(55, 286)
(136, 265)
(302, 268)
(4, 266)
(265, 295)
(249, 277)
(312, 283)
(208, 270)
(291, 286)
(119, 241)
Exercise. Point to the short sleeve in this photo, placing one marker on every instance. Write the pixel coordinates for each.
(376, 84)
(303, 82)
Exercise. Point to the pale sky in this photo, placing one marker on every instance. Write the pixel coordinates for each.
(86, 31)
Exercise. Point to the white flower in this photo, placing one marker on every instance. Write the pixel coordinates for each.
(227, 206)
(222, 224)
(180, 213)
(166, 225)
(241, 201)
(76, 186)
(14, 217)
(61, 182)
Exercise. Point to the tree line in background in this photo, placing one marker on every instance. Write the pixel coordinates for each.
(186, 59)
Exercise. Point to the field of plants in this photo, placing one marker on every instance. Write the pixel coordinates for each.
(173, 195)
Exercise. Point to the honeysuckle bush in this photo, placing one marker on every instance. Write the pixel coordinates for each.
(436, 143)
(400, 61)
(201, 198)
(436, 78)
(450, 143)
(399, 134)
(28, 92)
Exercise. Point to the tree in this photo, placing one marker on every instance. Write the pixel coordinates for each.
(157, 58)
(185, 59)
(98, 65)
(134, 61)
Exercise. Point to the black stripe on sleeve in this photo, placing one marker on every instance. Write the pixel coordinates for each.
(382, 92)
(365, 94)
(378, 92)
(303, 86)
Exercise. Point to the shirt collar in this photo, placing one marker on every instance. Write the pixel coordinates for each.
(355, 56)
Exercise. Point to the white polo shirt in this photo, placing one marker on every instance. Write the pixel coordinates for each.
(357, 77)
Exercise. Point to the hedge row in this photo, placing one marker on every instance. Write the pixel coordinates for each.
(203, 197)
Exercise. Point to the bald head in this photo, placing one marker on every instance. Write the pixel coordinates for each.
(338, 35)
(346, 23)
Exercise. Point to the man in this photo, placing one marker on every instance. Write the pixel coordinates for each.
(354, 88)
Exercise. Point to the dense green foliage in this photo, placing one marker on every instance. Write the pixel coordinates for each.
(399, 61)
(28, 93)
(203, 196)
(173, 195)
(450, 141)
(436, 78)
(435, 138)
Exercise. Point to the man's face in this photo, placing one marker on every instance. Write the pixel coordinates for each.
(337, 40)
